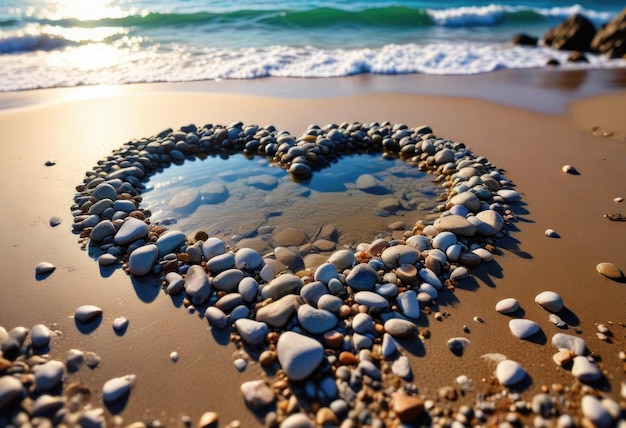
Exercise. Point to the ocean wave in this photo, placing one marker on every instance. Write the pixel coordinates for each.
(102, 64)
(320, 17)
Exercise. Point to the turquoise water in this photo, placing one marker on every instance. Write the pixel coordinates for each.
(49, 43)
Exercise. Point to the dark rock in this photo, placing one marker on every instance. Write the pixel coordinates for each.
(524, 40)
(611, 39)
(553, 62)
(573, 34)
(577, 57)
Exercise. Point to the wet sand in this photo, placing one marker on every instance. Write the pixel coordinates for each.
(528, 123)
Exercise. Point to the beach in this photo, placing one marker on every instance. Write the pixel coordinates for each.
(530, 123)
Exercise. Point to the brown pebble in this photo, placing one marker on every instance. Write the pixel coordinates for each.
(333, 338)
(407, 407)
(208, 420)
(201, 235)
(326, 417)
(183, 257)
(348, 358)
(267, 358)
(610, 270)
(563, 357)
(448, 393)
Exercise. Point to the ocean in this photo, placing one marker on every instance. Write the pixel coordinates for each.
(64, 43)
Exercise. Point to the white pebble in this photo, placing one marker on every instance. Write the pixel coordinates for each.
(618, 199)
(116, 388)
(87, 313)
(174, 356)
(550, 301)
(44, 268)
(509, 372)
(551, 233)
(569, 169)
(507, 306)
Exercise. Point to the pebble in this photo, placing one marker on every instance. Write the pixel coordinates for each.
(408, 304)
(509, 195)
(170, 241)
(362, 277)
(585, 370)
(408, 408)
(11, 389)
(297, 420)
(551, 233)
(240, 364)
(247, 259)
(610, 270)
(566, 341)
(399, 328)
(456, 224)
(87, 313)
(213, 247)
(399, 255)
(197, 284)
(371, 299)
(132, 229)
(557, 321)
(507, 306)
(174, 356)
(457, 345)
(490, 223)
(252, 332)
(467, 199)
(618, 199)
(117, 388)
(510, 372)
(281, 286)
(593, 410)
(523, 328)
(298, 355)
(550, 301)
(142, 259)
(216, 317)
(49, 375)
(208, 420)
(363, 323)
(257, 394)
(227, 280)
(44, 268)
(74, 360)
(50, 162)
(278, 313)
(40, 335)
(569, 169)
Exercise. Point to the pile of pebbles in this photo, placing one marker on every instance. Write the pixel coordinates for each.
(330, 337)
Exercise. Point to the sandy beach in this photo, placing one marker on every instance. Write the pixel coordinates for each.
(529, 123)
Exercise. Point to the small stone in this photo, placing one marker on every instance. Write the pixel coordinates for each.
(297, 420)
(569, 169)
(132, 229)
(216, 317)
(563, 358)
(551, 233)
(298, 355)
(174, 356)
(566, 341)
(197, 284)
(142, 259)
(509, 372)
(44, 268)
(584, 370)
(457, 345)
(278, 313)
(281, 286)
(610, 271)
(117, 388)
(550, 301)
(557, 321)
(398, 327)
(618, 199)
(87, 313)
(507, 306)
(55, 221)
(593, 409)
(523, 328)
(11, 390)
(455, 224)
(120, 324)
(252, 332)
(408, 408)
(208, 420)
(49, 375)
(74, 360)
(50, 162)
(362, 277)
(40, 335)
(240, 364)
(257, 394)
(371, 299)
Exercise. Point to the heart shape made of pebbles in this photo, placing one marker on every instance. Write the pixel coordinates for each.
(325, 319)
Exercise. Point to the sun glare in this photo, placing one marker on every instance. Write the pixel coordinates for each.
(83, 10)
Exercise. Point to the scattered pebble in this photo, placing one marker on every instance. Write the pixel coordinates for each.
(510, 372)
(550, 301)
(174, 356)
(44, 268)
(55, 221)
(87, 313)
(50, 162)
(610, 270)
(120, 324)
(116, 388)
(569, 169)
(618, 199)
(551, 233)
(523, 328)
(507, 306)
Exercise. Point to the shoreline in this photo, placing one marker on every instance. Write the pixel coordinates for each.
(78, 133)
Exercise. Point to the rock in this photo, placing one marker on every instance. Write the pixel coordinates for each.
(281, 286)
(132, 229)
(330, 303)
(312, 292)
(343, 259)
(390, 205)
(316, 321)
(170, 241)
(216, 317)
(248, 259)
(522, 328)
(574, 34)
(55, 221)
(102, 230)
(40, 335)
(507, 306)
(593, 410)
(429, 277)
(228, 280)
(408, 304)
(221, 262)
(362, 277)
(398, 255)
(577, 57)
(289, 258)
(408, 408)
(49, 375)
(87, 313)
(197, 284)
(208, 420)
(297, 420)
(298, 355)
(104, 191)
(455, 224)
(186, 201)
(44, 268)
(551, 233)
(584, 370)
(444, 240)
(522, 39)
(491, 223)
(107, 260)
(509, 372)
(213, 193)
(399, 328)
(117, 388)
(369, 184)
(610, 271)
(389, 346)
(610, 40)
(363, 323)
(509, 195)
(325, 272)
(467, 199)
(557, 321)
(257, 394)
(252, 332)
(459, 274)
(371, 299)
(142, 259)
(550, 301)
(300, 170)
(278, 313)
(289, 236)
(11, 391)
(248, 288)
(120, 324)
(566, 341)
(213, 247)
(457, 345)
